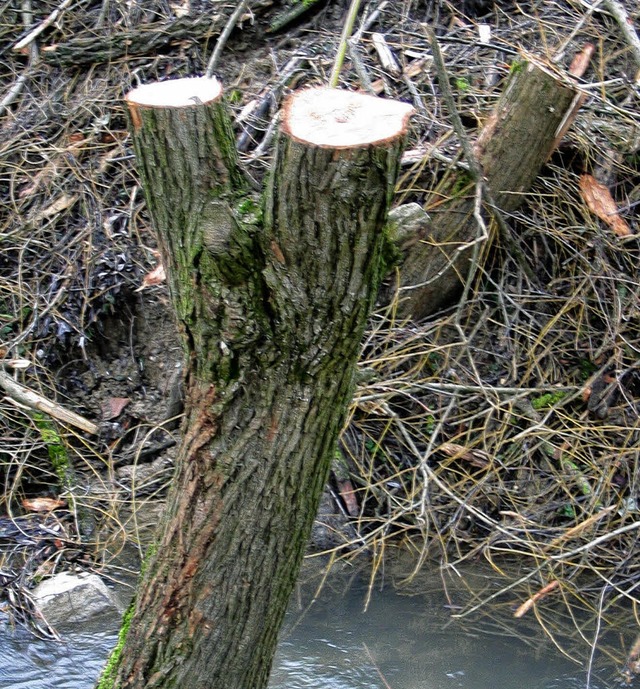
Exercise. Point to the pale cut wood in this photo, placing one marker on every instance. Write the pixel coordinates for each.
(177, 93)
(344, 119)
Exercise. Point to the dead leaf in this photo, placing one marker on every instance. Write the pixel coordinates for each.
(62, 203)
(348, 495)
(113, 136)
(478, 458)
(113, 407)
(581, 61)
(375, 407)
(600, 202)
(19, 364)
(53, 168)
(180, 9)
(413, 69)
(42, 504)
(156, 277)
(633, 659)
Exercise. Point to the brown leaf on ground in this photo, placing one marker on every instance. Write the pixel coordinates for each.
(348, 496)
(113, 407)
(42, 504)
(62, 203)
(581, 61)
(600, 202)
(156, 277)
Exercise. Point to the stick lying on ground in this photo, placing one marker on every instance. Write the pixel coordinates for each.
(34, 400)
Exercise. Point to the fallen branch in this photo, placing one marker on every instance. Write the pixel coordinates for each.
(96, 49)
(155, 37)
(537, 105)
(34, 33)
(34, 400)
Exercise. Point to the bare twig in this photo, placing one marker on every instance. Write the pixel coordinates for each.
(269, 99)
(634, 526)
(361, 71)
(34, 400)
(626, 25)
(539, 595)
(559, 54)
(15, 90)
(224, 36)
(13, 93)
(596, 637)
(369, 19)
(44, 24)
(376, 666)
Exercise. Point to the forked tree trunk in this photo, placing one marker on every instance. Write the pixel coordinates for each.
(534, 111)
(272, 311)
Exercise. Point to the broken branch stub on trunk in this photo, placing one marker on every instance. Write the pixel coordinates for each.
(534, 111)
(272, 306)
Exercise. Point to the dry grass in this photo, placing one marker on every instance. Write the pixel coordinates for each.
(507, 428)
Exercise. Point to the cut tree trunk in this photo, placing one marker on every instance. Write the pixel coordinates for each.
(272, 311)
(533, 113)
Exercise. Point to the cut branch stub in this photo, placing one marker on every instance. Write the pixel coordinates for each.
(199, 202)
(335, 170)
(534, 111)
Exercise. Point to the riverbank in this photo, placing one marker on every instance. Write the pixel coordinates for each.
(503, 428)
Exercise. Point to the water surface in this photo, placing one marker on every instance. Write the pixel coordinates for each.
(406, 642)
(401, 641)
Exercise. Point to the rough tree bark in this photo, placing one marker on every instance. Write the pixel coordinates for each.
(272, 311)
(534, 111)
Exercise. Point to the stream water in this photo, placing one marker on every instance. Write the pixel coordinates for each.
(400, 642)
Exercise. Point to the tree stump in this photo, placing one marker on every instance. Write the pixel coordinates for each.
(535, 109)
(272, 306)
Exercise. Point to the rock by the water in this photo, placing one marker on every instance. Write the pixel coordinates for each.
(67, 599)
